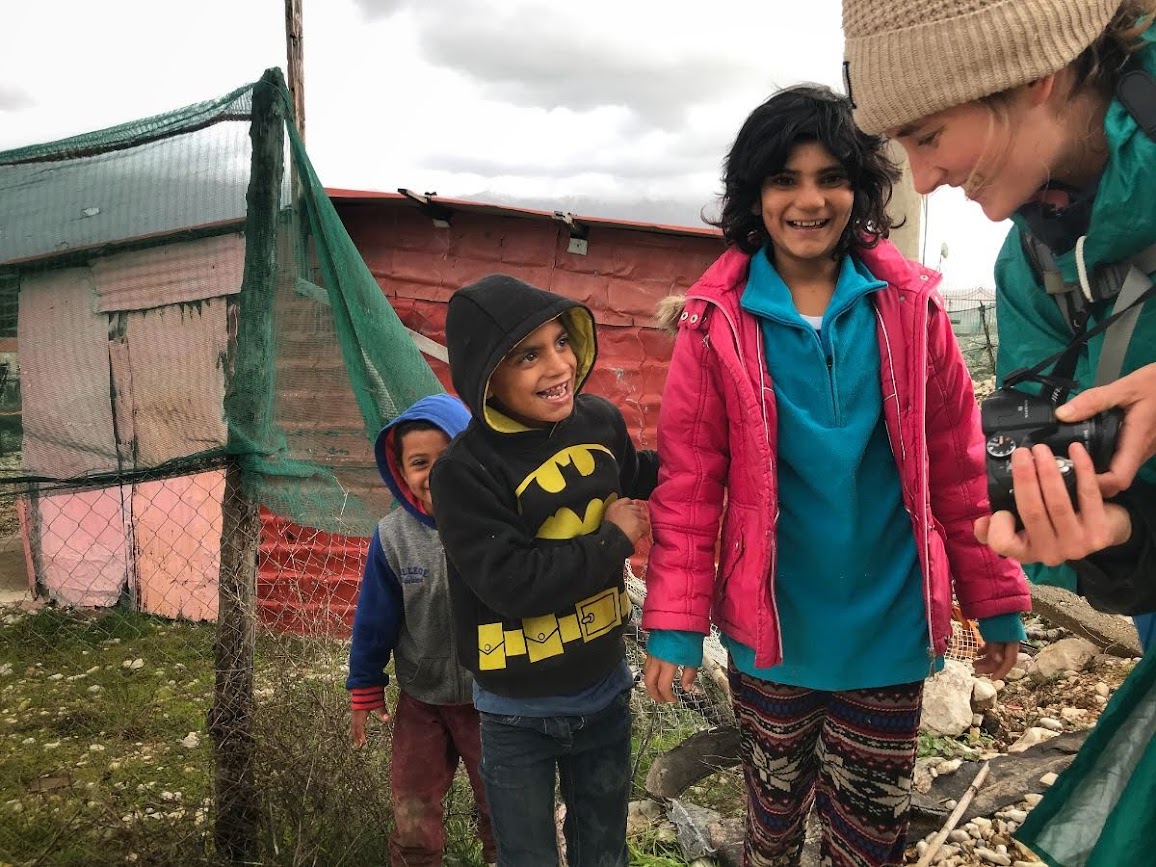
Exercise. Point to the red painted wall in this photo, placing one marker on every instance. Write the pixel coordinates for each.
(621, 278)
(308, 580)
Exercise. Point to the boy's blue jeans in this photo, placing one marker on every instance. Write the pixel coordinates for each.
(592, 757)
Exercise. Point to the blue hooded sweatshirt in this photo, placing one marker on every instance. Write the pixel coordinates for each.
(403, 607)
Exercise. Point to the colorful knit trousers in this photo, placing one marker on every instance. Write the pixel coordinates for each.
(851, 754)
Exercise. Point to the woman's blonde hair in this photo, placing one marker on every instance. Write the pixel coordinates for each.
(1101, 64)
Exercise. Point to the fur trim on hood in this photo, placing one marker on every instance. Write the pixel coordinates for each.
(667, 313)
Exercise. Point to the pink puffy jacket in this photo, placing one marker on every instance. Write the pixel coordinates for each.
(717, 442)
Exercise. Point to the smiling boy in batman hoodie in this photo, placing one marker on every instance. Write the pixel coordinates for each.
(537, 511)
(403, 609)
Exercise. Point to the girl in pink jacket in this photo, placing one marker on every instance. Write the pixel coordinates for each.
(818, 411)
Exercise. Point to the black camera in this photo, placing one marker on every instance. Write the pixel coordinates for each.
(1012, 419)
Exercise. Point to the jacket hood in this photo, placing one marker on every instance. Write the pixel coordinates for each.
(443, 410)
(667, 312)
(487, 319)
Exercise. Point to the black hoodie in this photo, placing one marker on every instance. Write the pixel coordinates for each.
(535, 574)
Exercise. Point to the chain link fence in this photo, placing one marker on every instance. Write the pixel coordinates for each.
(201, 717)
(186, 492)
(973, 320)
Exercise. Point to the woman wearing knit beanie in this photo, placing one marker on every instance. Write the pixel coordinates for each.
(1015, 102)
(1044, 112)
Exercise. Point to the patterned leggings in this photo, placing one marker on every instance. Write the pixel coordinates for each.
(850, 753)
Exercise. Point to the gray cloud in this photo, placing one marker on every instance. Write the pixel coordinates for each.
(375, 10)
(540, 60)
(14, 99)
(685, 156)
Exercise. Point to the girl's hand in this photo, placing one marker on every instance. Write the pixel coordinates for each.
(1053, 531)
(658, 675)
(997, 658)
(1136, 395)
(357, 723)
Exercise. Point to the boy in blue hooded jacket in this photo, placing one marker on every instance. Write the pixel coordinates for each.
(403, 609)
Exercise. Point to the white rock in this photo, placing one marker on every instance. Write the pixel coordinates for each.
(1048, 779)
(983, 694)
(1015, 674)
(1033, 798)
(1102, 689)
(976, 720)
(958, 835)
(1049, 723)
(1073, 714)
(1070, 654)
(993, 857)
(1031, 737)
(950, 766)
(998, 684)
(1015, 815)
(947, 700)
(191, 741)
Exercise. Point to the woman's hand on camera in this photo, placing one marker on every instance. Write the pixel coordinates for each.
(1136, 395)
(1053, 531)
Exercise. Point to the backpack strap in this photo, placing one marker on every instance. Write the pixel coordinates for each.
(1116, 339)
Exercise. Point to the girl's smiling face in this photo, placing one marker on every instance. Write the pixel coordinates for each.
(806, 205)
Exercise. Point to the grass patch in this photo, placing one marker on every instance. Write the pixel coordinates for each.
(105, 759)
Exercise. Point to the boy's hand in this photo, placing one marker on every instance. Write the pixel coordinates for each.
(630, 516)
(357, 724)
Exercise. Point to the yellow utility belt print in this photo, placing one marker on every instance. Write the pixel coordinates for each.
(543, 637)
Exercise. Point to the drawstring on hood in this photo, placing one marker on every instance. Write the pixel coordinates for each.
(442, 410)
(487, 319)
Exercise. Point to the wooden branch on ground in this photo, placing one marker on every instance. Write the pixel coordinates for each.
(953, 819)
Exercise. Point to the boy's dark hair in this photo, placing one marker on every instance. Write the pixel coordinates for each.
(408, 427)
(800, 114)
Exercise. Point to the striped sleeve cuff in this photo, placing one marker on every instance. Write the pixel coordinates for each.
(367, 697)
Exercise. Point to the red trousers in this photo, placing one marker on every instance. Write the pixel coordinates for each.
(428, 741)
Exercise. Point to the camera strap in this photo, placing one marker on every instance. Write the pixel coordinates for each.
(1060, 380)
(1127, 281)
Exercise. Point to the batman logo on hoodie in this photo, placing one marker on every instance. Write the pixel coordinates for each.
(569, 489)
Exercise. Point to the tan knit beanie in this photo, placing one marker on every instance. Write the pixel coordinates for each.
(906, 59)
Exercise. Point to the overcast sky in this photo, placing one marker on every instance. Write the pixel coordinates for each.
(605, 107)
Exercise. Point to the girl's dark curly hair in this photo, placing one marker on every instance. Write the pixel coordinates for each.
(805, 113)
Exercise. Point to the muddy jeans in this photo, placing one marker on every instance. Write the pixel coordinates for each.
(592, 757)
(428, 740)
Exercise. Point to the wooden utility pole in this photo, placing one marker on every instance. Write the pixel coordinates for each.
(249, 410)
(295, 55)
(907, 207)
